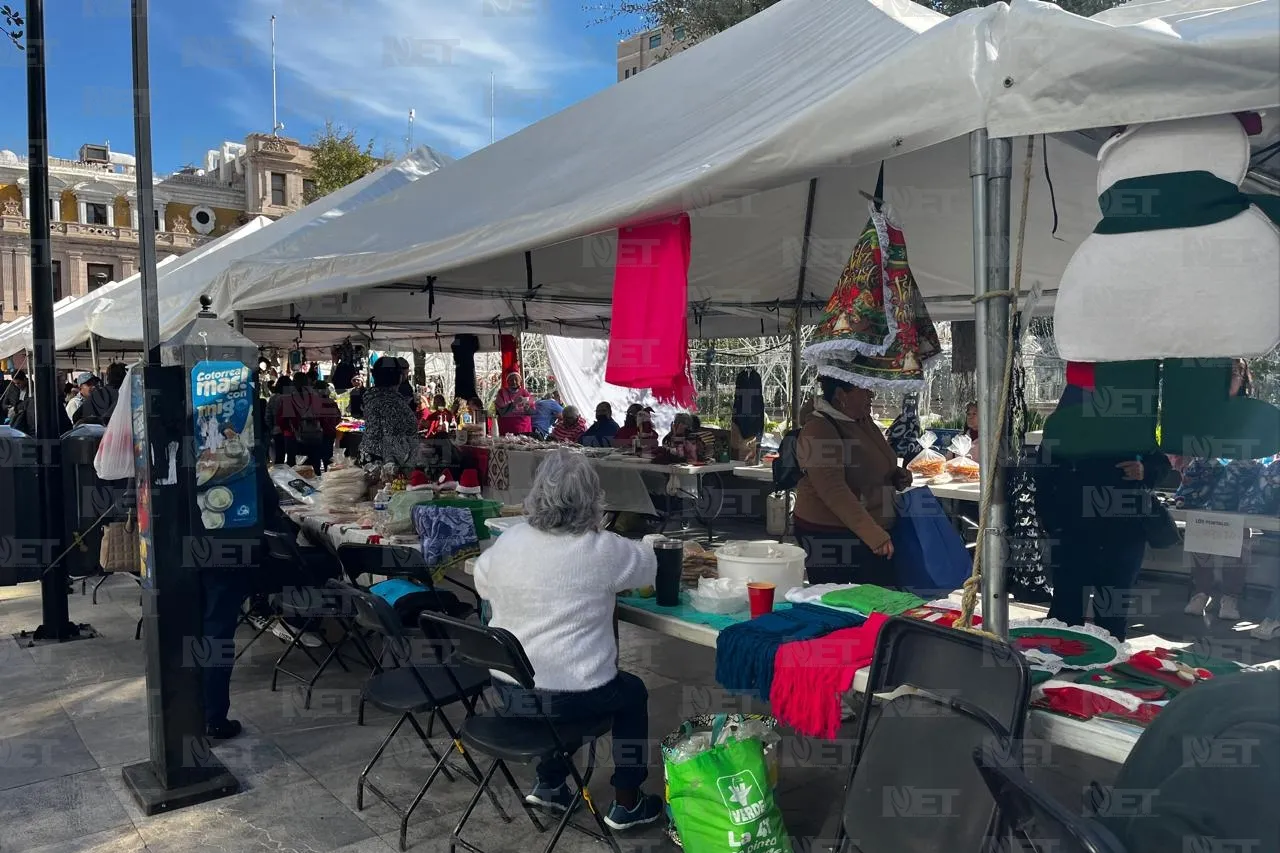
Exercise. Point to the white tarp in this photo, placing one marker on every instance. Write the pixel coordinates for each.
(578, 366)
(830, 82)
(181, 287)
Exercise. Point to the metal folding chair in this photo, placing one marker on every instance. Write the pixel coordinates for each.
(522, 739)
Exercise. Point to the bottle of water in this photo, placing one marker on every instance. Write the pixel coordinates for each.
(380, 512)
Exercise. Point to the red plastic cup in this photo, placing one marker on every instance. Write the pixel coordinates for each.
(760, 597)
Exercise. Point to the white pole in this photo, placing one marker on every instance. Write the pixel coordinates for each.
(409, 146)
(493, 109)
(275, 118)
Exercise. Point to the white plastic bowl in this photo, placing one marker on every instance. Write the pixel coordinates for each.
(765, 561)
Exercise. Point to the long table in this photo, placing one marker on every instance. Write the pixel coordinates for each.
(1105, 739)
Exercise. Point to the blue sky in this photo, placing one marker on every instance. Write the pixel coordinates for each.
(361, 63)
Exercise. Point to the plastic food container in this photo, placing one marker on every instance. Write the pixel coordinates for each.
(765, 561)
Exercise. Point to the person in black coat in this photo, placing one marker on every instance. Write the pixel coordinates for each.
(1093, 509)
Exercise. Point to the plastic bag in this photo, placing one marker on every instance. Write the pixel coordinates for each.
(962, 468)
(720, 787)
(720, 595)
(292, 485)
(928, 462)
(399, 519)
(114, 459)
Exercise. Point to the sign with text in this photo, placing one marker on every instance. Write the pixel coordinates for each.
(1218, 533)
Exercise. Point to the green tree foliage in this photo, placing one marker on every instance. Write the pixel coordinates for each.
(338, 159)
(13, 26)
(704, 18)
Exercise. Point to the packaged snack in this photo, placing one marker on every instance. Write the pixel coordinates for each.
(928, 462)
(962, 468)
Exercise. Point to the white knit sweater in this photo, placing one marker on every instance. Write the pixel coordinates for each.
(555, 593)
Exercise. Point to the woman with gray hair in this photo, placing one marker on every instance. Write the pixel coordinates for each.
(551, 582)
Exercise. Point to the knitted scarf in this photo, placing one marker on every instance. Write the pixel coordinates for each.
(809, 677)
(745, 652)
(868, 598)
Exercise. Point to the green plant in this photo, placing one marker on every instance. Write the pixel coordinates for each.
(13, 26)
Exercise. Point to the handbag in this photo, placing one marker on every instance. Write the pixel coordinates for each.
(929, 556)
(119, 551)
(1159, 527)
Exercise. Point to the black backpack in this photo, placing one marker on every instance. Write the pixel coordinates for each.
(310, 430)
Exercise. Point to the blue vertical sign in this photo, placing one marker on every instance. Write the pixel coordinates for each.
(222, 396)
(142, 472)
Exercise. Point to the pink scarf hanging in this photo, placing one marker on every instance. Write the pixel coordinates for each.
(649, 335)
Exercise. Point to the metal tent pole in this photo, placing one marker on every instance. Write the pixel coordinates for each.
(799, 306)
(93, 354)
(992, 316)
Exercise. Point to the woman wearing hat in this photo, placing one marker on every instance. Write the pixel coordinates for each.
(515, 407)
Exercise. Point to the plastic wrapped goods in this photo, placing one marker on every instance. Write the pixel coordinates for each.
(928, 462)
(962, 468)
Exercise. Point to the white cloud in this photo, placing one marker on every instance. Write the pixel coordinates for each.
(367, 62)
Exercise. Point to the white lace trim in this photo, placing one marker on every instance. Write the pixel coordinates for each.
(871, 383)
(1122, 649)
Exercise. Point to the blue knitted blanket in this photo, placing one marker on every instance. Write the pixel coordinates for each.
(745, 652)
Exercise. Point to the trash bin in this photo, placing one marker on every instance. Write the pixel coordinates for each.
(85, 497)
(20, 556)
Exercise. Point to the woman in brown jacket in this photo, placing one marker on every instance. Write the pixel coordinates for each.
(844, 505)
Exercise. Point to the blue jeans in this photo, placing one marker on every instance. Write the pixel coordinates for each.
(625, 697)
(224, 591)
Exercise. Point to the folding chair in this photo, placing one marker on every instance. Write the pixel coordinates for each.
(1035, 821)
(412, 688)
(970, 691)
(401, 561)
(523, 739)
(311, 606)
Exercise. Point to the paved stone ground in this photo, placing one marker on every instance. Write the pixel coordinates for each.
(72, 715)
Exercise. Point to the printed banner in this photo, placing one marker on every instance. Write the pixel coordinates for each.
(222, 395)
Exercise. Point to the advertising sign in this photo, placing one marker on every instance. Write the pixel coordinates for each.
(222, 396)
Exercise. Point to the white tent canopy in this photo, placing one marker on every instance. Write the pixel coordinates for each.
(119, 317)
(834, 87)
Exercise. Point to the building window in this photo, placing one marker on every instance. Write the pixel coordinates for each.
(277, 189)
(95, 214)
(54, 205)
(626, 74)
(57, 280)
(655, 41)
(634, 70)
(308, 190)
(99, 274)
(156, 221)
(678, 33)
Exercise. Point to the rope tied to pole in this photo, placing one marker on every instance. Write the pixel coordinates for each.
(991, 446)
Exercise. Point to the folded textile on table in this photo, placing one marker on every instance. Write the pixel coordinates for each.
(745, 652)
(448, 536)
(810, 676)
(868, 598)
(1086, 701)
(812, 594)
(1176, 669)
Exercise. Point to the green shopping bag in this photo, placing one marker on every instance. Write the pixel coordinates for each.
(721, 800)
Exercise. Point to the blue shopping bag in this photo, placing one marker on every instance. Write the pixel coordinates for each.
(929, 556)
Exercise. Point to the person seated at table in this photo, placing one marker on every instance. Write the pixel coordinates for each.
(844, 504)
(390, 427)
(546, 413)
(971, 430)
(570, 427)
(601, 433)
(439, 421)
(637, 425)
(683, 439)
(552, 583)
(515, 407)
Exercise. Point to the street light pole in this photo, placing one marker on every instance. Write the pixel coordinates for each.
(146, 193)
(55, 621)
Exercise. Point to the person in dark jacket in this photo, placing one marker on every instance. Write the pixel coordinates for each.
(99, 401)
(1093, 509)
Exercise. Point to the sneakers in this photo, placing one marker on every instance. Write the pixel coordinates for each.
(544, 796)
(1268, 630)
(1197, 605)
(223, 730)
(1229, 608)
(648, 810)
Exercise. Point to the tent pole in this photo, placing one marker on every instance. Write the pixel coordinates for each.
(991, 329)
(93, 354)
(799, 306)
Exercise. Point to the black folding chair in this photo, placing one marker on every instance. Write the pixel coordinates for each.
(1034, 821)
(399, 561)
(310, 606)
(522, 739)
(414, 687)
(970, 691)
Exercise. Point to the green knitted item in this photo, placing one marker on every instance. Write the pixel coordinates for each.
(869, 598)
(1199, 419)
